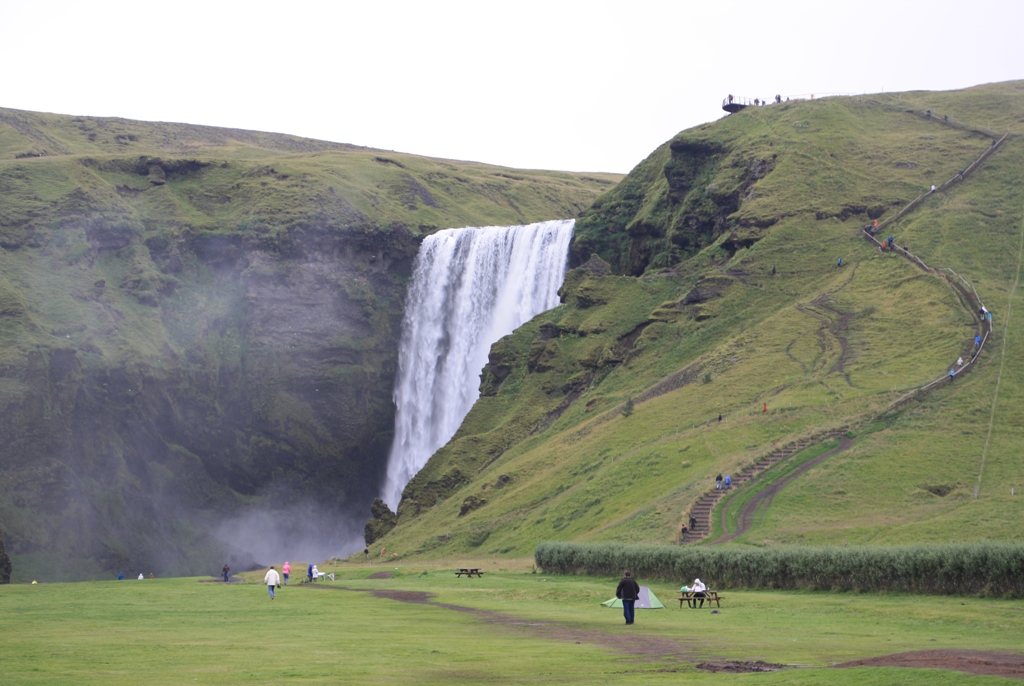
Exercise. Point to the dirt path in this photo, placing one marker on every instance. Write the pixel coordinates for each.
(971, 661)
(649, 648)
(764, 498)
(653, 649)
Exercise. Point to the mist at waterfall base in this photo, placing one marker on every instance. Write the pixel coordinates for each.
(305, 531)
(470, 287)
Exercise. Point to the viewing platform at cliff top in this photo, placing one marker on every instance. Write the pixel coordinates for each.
(735, 103)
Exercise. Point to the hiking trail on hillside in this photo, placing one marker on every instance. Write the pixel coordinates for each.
(700, 514)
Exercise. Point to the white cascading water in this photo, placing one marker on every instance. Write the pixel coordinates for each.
(469, 288)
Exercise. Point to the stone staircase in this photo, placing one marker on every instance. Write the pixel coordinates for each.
(704, 507)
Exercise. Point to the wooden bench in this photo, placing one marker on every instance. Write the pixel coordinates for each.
(692, 601)
(469, 571)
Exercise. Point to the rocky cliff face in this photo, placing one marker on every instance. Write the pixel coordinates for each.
(198, 335)
(673, 204)
(262, 379)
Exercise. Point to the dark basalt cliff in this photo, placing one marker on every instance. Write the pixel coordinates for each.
(198, 334)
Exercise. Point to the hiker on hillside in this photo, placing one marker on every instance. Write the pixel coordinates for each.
(933, 188)
(977, 341)
(682, 532)
(628, 591)
(728, 482)
(960, 362)
(764, 408)
(272, 579)
(309, 573)
(225, 572)
(952, 373)
(693, 522)
(889, 241)
(839, 262)
(718, 482)
(120, 576)
(699, 593)
(983, 311)
(286, 571)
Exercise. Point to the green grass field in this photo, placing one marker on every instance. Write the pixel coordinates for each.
(524, 628)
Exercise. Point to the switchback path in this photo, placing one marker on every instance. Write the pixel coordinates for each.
(701, 512)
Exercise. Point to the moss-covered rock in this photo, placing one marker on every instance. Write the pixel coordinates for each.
(5, 562)
(382, 520)
(676, 202)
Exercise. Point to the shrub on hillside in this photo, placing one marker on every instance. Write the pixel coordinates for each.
(990, 569)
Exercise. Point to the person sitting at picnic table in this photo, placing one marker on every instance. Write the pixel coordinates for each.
(699, 592)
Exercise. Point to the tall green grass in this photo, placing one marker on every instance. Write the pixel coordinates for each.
(988, 569)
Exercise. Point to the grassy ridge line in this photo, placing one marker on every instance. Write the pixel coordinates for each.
(987, 569)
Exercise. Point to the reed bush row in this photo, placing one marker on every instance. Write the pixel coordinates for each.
(989, 569)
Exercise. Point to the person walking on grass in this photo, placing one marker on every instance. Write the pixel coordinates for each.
(628, 592)
(286, 570)
(225, 572)
(272, 579)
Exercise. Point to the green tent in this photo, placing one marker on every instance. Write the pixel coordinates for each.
(646, 601)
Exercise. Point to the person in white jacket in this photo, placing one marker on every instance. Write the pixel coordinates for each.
(699, 592)
(272, 579)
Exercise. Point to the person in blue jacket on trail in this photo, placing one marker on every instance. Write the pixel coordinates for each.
(309, 573)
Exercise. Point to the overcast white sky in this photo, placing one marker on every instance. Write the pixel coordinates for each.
(582, 86)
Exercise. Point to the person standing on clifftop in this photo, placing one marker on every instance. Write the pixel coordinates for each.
(286, 570)
(628, 591)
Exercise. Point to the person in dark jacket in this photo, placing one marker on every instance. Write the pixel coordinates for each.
(628, 592)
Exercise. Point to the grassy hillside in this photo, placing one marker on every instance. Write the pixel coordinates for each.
(724, 298)
(200, 323)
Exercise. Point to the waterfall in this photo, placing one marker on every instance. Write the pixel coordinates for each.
(469, 288)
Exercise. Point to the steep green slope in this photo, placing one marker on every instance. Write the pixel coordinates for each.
(600, 419)
(199, 323)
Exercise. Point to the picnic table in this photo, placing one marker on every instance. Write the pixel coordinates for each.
(691, 599)
(469, 571)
